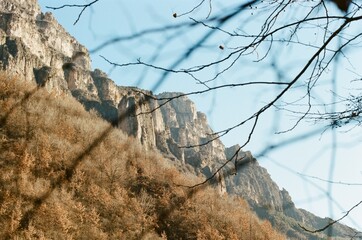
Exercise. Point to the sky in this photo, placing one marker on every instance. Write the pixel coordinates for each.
(301, 167)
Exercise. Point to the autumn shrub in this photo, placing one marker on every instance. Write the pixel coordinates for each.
(67, 174)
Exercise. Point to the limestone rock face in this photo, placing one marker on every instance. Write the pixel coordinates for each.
(107, 89)
(35, 46)
(23, 7)
(172, 128)
(30, 40)
(190, 128)
(137, 117)
(187, 128)
(254, 181)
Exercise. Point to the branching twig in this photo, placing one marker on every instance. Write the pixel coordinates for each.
(331, 223)
(329, 181)
(83, 6)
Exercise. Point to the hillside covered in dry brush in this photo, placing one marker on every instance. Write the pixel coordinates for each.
(67, 174)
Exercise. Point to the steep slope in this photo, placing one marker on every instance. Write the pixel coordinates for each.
(35, 46)
(67, 174)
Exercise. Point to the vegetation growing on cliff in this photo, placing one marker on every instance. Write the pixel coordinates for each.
(60, 180)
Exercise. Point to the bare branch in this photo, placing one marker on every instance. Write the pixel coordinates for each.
(332, 222)
(83, 6)
(329, 181)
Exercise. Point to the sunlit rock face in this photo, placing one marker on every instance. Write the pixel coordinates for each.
(254, 181)
(189, 131)
(22, 7)
(31, 40)
(172, 128)
(138, 117)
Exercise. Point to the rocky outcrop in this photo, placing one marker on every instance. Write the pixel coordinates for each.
(255, 185)
(188, 128)
(35, 46)
(171, 129)
(137, 117)
(31, 40)
(254, 181)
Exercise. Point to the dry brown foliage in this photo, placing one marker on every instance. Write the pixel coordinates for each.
(117, 191)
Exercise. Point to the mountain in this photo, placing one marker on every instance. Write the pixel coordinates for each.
(68, 174)
(36, 47)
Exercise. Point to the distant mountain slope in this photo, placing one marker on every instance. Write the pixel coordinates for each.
(65, 173)
(36, 47)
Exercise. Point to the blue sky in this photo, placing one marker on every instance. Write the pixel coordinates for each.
(227, 107)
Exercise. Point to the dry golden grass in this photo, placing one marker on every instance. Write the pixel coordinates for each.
(59, 180)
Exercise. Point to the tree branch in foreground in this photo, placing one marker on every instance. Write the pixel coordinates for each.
(332, 222)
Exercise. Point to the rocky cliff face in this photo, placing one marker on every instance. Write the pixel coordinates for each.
(171, 129)
(35, 46)
(254, 181)
(254, 184)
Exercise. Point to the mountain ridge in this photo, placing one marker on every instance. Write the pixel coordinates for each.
(36, 46)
